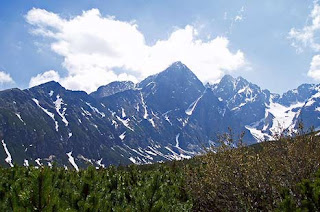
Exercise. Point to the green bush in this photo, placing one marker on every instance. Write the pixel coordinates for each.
(160, 188)
(307, 197)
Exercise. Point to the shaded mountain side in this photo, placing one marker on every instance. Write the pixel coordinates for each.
(112, 88)
(167, 116)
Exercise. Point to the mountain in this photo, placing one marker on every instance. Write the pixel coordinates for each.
(112, 88)
(246, 100)
(309, 113)
(301, 94)
(168, 116)
(266, 114)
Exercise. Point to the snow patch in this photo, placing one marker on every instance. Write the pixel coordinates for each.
(71, 160)
(58, 103)
(122, 136)
(47, 112)
(123, 113)
(99, 162)
(19, 116)
(86, 112)
(96, 110)
(257, 134)
(166, 117)
(193, 105)
(145, 116)
(115, 124)
(125, 122)
(283, 116)
(38, 161)
(133, 160)
(179, 148)
(152, 122)
(8, 158)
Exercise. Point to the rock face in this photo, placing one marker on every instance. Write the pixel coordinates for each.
(112, 88)
(266, 114)
(167, 116)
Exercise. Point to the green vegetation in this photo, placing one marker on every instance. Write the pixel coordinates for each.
(307, 197)
(283, 175)
(158, 188)
(252, 178)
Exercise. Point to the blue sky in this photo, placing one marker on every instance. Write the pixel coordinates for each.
(243, 38)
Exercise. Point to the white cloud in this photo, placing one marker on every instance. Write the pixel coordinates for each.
(98, 50)
(238, 18)
(306, 37)
(314, 70)
(5, 78)
(44, 77)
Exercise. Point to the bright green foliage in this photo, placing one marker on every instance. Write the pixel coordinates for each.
(159, 188)
(306, 199)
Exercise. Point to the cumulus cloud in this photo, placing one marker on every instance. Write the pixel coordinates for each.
(98, 50)
(5, 78)
(306, 37)
(44, 77)
(314, 70)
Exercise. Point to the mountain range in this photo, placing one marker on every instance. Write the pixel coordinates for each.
(167, 116)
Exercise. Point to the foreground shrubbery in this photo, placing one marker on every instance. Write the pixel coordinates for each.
(280, 175)
(113, 189)
(253, 178)
(307, 197)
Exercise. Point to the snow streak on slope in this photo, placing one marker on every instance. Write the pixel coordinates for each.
(122, 136)
(182, 150)
(8, 158)
(58, 104)
(100, 164)
(312, 99)
(96, 110)
(51, 93)
(19, 117)
(145, 116)
(193, 105)
(133, 160)
(71, 160)
(47, 112)
(123, 113)
(152, 123)
(38, 161)
(125, 122)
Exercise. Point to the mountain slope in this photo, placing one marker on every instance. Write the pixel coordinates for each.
(112, 88)
(167, 116)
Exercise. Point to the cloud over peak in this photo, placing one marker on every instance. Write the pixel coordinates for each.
(98, 50)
